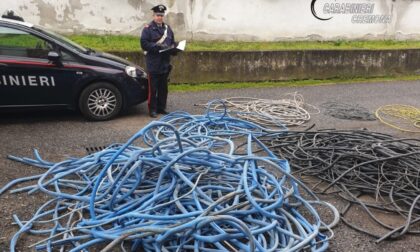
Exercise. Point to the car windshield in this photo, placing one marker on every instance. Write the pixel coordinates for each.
(62, 39)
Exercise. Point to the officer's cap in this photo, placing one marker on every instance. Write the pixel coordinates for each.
(159, 9)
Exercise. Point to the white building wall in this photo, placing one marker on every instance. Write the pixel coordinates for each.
(258, 20)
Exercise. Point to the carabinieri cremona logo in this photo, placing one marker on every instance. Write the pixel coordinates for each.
(361, 11)
(314, 11)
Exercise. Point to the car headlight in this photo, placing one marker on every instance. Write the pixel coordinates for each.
(131, 71)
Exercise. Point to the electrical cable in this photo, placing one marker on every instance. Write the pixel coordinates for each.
(355, 165)
(176, 186)
(347, 111)
(290, 110)
(401, 117)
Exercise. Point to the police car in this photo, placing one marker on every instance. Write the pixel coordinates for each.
(39, 68)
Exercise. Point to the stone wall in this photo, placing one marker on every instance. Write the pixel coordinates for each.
(201, 67)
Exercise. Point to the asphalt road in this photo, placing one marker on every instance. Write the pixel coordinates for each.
(60, 134)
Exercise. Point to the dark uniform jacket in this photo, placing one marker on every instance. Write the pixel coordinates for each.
(157, 63)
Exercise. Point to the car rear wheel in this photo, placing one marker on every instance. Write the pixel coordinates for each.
(100, 101)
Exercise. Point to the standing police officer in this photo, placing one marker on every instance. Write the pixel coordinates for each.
(157, 40)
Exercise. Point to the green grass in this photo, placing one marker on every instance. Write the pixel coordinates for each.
(20, 40)
(108, 42)
(292, 83)
(132, 43)
(302, 45)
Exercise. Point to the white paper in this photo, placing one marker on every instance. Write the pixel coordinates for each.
(181, 45)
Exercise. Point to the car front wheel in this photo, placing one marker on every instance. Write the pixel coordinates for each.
(100, 101)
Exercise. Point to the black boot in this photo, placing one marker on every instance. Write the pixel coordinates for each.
(162, 112)
(153, 114)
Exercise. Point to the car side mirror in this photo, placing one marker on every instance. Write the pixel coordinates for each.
(54, 57)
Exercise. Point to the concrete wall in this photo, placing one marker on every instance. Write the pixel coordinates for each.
(226, 19)
(199, 67)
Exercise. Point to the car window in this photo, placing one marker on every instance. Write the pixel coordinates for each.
(62, 39)
(18, 43)
(67, 56)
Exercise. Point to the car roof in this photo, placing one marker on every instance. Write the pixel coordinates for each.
(7, 20)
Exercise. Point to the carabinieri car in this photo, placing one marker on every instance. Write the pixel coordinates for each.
(39, 68)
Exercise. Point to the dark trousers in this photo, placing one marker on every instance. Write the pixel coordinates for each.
(158, 92)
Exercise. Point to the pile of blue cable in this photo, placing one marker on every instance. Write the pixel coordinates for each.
(168, 189)
(217, 124)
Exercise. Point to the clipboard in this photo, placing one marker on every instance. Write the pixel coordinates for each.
(180, 47)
